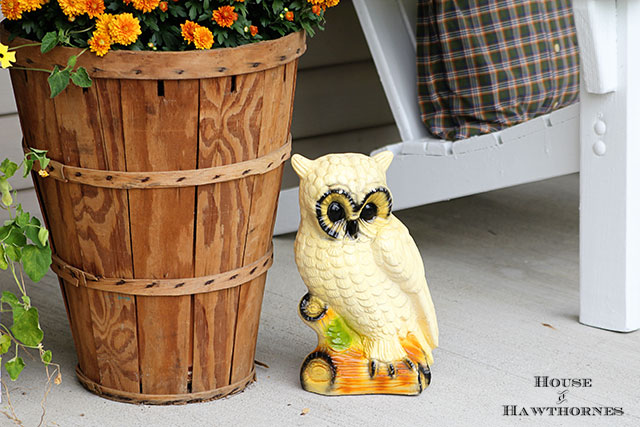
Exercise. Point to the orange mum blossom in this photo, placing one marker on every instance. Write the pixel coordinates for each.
(100, 43)
(124, 29)
(316, 9)
(11, 9)
(31, 5)
(225, 16)
(203, 38)
(72, 8)
(288, 16)
(254, 30)
(94, 7)
(187, 30)
(145, 5)
(103, 21)
(164, 6)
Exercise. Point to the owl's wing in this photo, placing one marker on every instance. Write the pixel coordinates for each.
(397, 255)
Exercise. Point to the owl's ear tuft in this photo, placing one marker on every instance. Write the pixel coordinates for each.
(383, 159)
(301, 165)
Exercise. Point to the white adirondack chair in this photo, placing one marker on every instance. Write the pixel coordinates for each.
(600, 137)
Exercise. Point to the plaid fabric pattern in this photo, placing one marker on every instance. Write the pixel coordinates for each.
(484, 65)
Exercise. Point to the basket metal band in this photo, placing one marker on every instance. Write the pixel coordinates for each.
(163, 287)
(168, 179)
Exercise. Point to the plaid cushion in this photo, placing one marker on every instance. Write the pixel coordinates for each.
(484, 65)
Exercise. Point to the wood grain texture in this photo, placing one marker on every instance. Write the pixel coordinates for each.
(277, 111)
(230, 120)
(161, 134)
(187, 65)
(40, 128)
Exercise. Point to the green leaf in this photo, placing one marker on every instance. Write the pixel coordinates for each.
(58, 81)
(11, 299)
(28, 166)
(33, 230)
(3, 261)
(36, 261)
(5, 190)
(13, 253)
(14, 367)
(338, 335)
(8, 168)
(81, 78)
(43, 236)
(5, 343)
(16, 237)
(49, 41)
(26, 326)
(71, 62)
(46, 357)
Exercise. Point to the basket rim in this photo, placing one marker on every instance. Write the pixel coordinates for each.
(164, 65)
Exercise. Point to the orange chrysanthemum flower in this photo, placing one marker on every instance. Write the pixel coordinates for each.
(124, 29)
(316, 9)
(31, 5)
(103, 21)
(72, 8)
(94, 7)
(11, 9)
(324, 3)
(100, 43)
(203, 38)
(288, 16)
(254, 30)
(187, 30)
(225, 16)
(145, 5)
(164, 6)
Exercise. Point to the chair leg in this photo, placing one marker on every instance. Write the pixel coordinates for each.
(610, 189)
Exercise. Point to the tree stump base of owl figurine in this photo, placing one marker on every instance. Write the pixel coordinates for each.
(338, 366)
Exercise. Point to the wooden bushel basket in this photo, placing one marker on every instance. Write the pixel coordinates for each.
(161, 203)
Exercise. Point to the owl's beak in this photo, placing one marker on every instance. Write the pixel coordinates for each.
(352, 228)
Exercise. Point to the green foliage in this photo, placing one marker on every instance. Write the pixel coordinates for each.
(24, 242)
(338, 335)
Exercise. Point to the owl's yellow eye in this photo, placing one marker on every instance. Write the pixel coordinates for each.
(332, 210)
(377, 204)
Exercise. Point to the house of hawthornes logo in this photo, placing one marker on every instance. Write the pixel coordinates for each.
(562, 407)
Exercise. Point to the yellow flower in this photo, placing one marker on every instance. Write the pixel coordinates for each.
(12, 9)
(124, 29)
(187, 30)
(94, 7)
(145, 5)
(31, 5)
(72, 8)
(103, 21)
(225, 16)
(324, 3)
(6, 57)
(43, 173)
(203, 38)
(100, 43)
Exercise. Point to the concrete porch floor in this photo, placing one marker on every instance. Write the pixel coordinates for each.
(503, 272)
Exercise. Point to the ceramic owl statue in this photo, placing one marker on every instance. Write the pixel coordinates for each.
(368, 298)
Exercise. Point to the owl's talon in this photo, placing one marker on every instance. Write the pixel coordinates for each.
(373, 368)
(410, 364)
(391, 369)
(426, 373)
